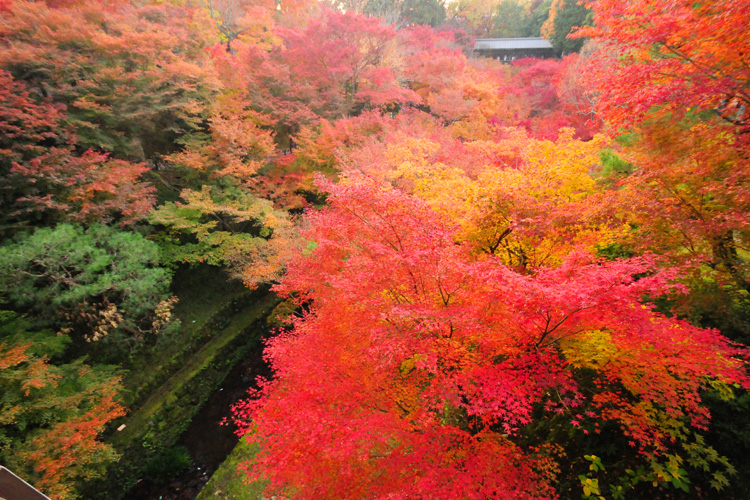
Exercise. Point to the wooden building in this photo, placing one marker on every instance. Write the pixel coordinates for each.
(508, 49)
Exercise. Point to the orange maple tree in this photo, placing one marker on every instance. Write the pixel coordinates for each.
(674, 75)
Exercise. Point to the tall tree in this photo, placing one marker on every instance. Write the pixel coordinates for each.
(423, 12)
(683, 56)
(341, 58)
(564, 16)
(510, 19)
(337, 65)
(477, 15)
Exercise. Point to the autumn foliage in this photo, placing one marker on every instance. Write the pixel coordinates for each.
(51, 416)
(674, 74)
(456, 300)
(510, 280)
(420, 364)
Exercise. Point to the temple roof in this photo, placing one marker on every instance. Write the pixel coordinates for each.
(511, 43)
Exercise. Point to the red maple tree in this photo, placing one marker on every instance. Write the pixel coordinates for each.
(417, 365)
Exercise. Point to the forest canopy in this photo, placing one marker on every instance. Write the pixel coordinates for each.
(520, 279)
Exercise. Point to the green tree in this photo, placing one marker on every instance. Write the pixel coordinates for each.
(510, 20)
(98, 283)
(406, 12)
(431, 12)
(518, 18)
(571, 13)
